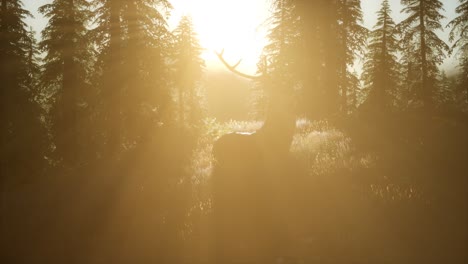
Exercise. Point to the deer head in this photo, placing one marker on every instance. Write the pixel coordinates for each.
(278, 129)
(242, 177)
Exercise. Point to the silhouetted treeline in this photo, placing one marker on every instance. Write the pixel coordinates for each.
(315, 44)
(403, 111)
(89, 123)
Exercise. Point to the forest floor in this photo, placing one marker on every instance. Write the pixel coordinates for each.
(348, 204)
(340, 201)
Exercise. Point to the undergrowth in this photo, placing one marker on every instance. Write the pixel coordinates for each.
(352, 201)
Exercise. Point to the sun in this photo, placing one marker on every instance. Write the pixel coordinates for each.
(239, 27)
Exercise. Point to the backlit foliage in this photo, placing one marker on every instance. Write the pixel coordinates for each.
(381, 68)
(419, 30)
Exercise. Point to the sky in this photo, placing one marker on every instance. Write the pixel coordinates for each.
(245, 38)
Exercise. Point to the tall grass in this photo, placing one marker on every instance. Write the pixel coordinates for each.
(350, 206)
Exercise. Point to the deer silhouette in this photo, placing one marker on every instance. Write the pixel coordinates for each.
(245, 177)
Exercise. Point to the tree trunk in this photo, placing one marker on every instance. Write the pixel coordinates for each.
(181, 106)
(384, 70)
(67, 134)
(133, 86)
(4, 115)
(344, 86)
(425, 85)
(114, 88)
(331, 60)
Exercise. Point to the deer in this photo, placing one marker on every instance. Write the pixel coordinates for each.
(246, 175)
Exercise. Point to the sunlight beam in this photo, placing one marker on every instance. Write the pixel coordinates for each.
(236, 26)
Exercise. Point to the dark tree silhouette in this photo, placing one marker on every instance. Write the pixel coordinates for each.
(459, 37)
(419, 30)
(65, 73)
(312, 63)
(282, 53)
(281, 50)
(145, 80)
(283, 56)
(352, 39)
(132, 43)
(23, 136)
(410, 75)
(381, 66)
(188, 66)
(108, 39)
(459, 26)
(446, 93)
(355, 92)
(331, 38)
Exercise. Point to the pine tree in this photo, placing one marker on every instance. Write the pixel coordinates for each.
(352, 39)
(381, 67)
(188, 71)
(330, 38)
(280, 59)
(66, 69)
(410, 75)
(33, 61)
(14, 40)
(459, 35)
(419, 30)
(311, 68)
(133, 44)
(259, 101)
(107, 36)
(445, 93)
(354, 92)
(23, 135)
(145, 73)
(283, 42)
(330, 74)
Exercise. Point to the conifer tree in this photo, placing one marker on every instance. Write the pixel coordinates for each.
(188, 71)
(352, 39)
(33, 61)
(65, 72)
(330, 74)
(133, 43)
(145, 74)
(284, 39)
(459, 37)
(354, 92)
(410, 75)
(23, 135)
(14, 41)
(259, 101)
(280, 58)
(312, 63)
(381, 66)
(445, 93)
(331, 38)
(107, 37)
(419, 30)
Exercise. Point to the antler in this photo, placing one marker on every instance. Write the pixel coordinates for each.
(233, 69)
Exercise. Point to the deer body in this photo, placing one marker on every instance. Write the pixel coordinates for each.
(248, 172)
(248, 176)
